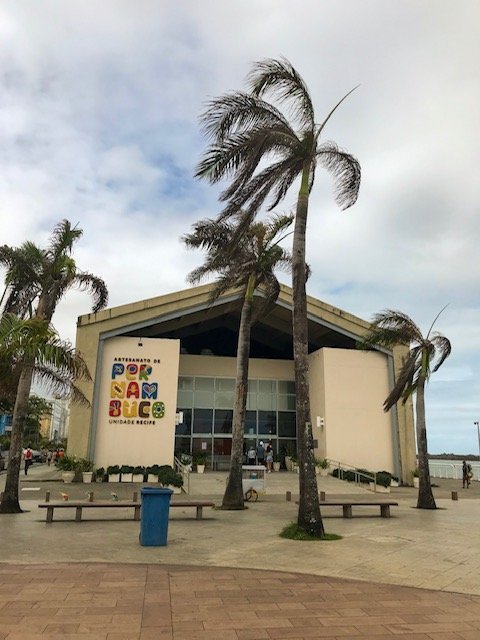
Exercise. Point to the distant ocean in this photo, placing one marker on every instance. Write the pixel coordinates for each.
(451, 468)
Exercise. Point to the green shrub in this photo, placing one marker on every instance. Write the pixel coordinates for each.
(169, 477)
(113, 470)
(67, 463)
(126, 468)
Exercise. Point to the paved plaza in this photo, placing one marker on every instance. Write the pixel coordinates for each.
(414, 576)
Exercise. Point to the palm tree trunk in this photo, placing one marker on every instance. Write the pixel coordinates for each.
(425, 498)
(309, 517)
(10, 503)
(233, 497)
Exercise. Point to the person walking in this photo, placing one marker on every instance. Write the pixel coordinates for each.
(28, 459)
(466, 474)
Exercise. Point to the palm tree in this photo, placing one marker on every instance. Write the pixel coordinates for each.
(245, 131)
(40, 353)
(245, 263)
(35, 281)
(426, 355)
(44, 276)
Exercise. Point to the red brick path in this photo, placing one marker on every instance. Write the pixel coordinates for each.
(155, 602)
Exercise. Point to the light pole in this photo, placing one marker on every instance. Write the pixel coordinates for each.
(477, 424)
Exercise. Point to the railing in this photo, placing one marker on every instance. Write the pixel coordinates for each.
(184, 470)
(343, 467)
(451, 469)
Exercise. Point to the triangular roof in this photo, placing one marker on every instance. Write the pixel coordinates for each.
(200, 324)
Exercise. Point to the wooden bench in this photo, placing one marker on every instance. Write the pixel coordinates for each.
(199, 504)
(347, 506)
(79, 505)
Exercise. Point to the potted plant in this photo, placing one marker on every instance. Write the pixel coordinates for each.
(152, 473)
(113, 472)
(186, 460)
(383, 479)
(321, 466)
(416, 480)
(86, 468)
(168, 477)
(276, 462)
(395, 482)
(138, 474)
(100, 475)
(199, 459)
(126, 472)
(68, 465)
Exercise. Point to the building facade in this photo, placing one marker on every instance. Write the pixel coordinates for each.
(164, 370)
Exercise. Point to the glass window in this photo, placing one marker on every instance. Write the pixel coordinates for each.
(251, 401)
(223, 421)
(251, 423)
(203, 399)
(267, 386)
(204, 384)
(287, 424)
(202, 420)
(182, 445)
(184, 398)
(224, 384)
(224, 399)
(286, 386)
(286, 403)
(267, 422)
(185, 427)
(185, 384)
(267, 402)
(252, 386)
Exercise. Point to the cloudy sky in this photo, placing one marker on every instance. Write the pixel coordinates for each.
(99, 124)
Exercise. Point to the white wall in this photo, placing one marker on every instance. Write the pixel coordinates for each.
(133, 438)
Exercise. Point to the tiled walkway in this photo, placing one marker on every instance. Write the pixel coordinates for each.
(155, 602)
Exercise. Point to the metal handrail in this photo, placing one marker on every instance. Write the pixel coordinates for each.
(184, 471)
(343, 466)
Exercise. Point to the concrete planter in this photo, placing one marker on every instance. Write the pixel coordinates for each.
(127, 477)
(114, 477)
(416, 482)
(276, 466)
(200, 468)
(68, 476)
(87, 476)
(137, 477)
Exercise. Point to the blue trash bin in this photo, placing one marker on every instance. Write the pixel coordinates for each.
(154, 516)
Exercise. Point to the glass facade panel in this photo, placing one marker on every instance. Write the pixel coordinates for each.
(203, 399)
(267, 423)
(184, 398)
(286, 424)
(251, 423)
(286, 386)
(202, 420)
(224, 384)
(224, 399)
(204, 384)
(182, 445)
(185, 383)
(267, 402)
(286, 403)
(267, 386)
(185, 427)
(223, 421)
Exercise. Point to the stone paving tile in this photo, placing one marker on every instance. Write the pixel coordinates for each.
(144, 602)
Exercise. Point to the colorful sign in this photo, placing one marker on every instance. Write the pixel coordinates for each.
(134, 392)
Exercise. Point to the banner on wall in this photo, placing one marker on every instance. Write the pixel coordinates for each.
(134, 391)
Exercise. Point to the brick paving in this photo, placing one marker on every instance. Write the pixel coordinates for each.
(158, 602)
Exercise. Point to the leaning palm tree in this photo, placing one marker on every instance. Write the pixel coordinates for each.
(247, 132)
(245, 263)
(38, 351)
(35, 281)
(426, 355)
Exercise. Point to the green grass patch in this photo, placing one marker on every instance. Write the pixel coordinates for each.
(293, 532)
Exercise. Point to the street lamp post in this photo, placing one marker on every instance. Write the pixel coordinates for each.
(477, 424)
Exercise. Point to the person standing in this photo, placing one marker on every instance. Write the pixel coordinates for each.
(260, 451)
(28, 456)
(269, 457)
(251, 456)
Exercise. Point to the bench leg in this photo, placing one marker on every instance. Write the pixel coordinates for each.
(78, 514)
(347, 510)
(136, 515)
(49, 514)
(385, 510)
(199, 512)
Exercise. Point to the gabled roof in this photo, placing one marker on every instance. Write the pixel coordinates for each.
(202, 325)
